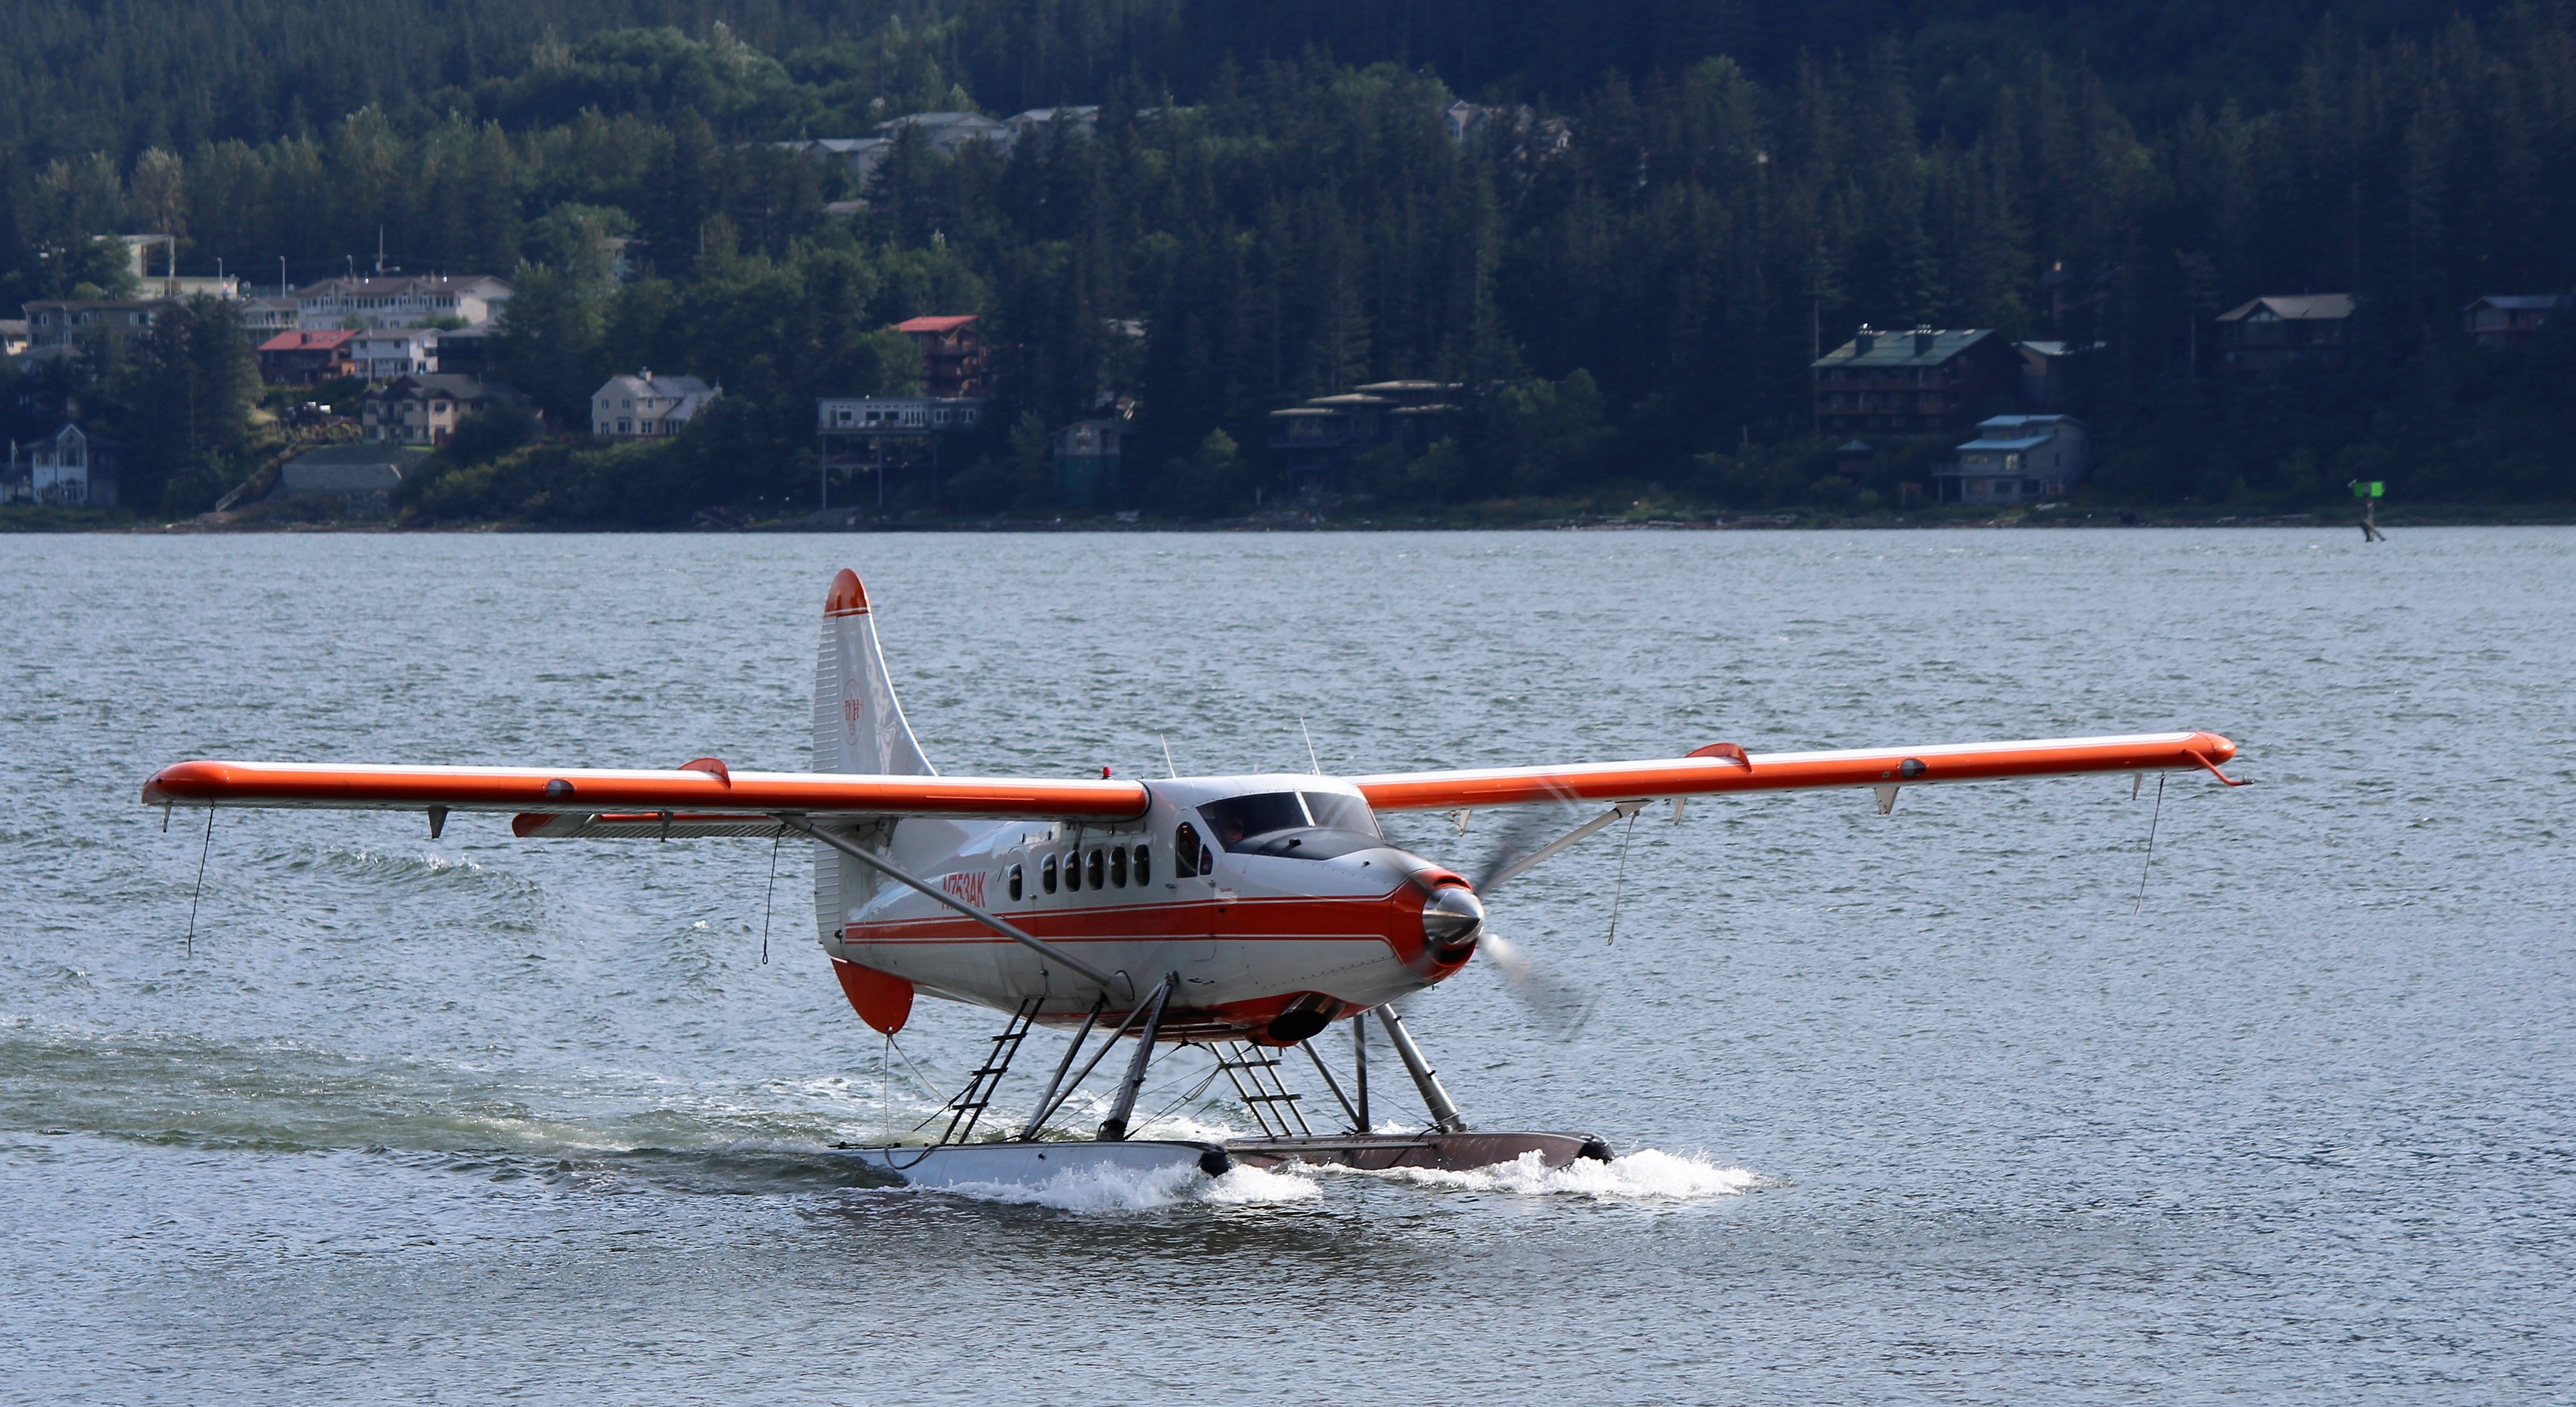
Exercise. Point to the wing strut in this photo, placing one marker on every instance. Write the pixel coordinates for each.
(1047, 950)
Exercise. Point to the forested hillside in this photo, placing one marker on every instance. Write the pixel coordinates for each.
(1272, 195)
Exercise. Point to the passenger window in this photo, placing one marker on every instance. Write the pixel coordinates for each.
(1118, 867)
(1144, 865)
(1099, 863)
(1015, 882)
(1185, 851)
(1073, 872)
(1046, 875)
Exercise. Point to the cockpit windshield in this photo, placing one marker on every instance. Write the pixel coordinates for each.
(1309, 825)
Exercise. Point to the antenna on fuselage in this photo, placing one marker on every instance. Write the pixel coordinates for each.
(1168, 769)
(1310, 746)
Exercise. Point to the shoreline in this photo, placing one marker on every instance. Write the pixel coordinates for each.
(17, 523)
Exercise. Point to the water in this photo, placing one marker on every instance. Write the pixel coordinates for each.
(1912, 1107)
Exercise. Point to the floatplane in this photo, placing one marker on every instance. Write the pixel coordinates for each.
(1244, 915)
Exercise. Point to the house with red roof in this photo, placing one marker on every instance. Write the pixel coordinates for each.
(305, 358)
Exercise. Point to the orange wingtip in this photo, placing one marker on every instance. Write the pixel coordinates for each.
(848, 598)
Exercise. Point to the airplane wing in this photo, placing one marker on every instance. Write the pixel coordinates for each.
(1724, 767)
(703, 798)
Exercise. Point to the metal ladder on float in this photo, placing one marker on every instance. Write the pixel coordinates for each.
(969, 1105)
(1255, 1076)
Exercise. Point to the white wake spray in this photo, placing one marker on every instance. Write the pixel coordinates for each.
(1648, 1175)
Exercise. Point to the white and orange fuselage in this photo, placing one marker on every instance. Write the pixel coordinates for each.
(1271, 940)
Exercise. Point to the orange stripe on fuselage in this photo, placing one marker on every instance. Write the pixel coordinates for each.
(1378, 919)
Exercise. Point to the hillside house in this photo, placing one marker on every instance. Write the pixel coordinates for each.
(72, 467)
(2311, 331)
(1084, 119)
(307, 358)
(2507, 320)
(1317, 439)
(946, 132)
(423, 410)
(1920, 382)
(952, 354)
(895, 415)
(383, 353)
(2017, 459)
(400, 300)
(266, 317)
(645, 406)
(62, 322)
(2048, 369)
(466, 351)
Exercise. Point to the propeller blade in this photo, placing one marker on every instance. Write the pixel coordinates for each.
(1518, 845)
(1555, 1005)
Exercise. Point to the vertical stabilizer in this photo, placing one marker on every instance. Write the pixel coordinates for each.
(858, 725)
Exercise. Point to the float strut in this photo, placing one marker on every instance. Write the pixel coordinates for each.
(1046, 1101)
(1114, 1128)
(1444, 1114)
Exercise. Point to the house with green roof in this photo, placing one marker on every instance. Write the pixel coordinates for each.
(1922, 382)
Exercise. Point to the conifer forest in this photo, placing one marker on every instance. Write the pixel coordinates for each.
(1628, 283)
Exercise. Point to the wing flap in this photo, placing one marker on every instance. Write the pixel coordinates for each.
(639, 825)
(1723, 769)
(591, 790)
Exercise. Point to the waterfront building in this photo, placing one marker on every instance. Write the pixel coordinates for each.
(644, 406)
(1920, 382)
(2017, 459)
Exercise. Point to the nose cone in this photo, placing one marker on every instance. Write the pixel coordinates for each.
(1451, 919)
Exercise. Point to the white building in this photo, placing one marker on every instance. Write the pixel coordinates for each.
(895, 415)
(399, 300)
(70, 466)
(387, 352)
(268, 316)
(2017, 459)
(633, 407)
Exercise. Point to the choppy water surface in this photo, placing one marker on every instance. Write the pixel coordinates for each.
(1913, 1107)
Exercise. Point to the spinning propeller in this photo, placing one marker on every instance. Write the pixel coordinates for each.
(1557, 1004)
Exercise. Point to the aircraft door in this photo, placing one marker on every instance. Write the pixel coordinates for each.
(1193, 883)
